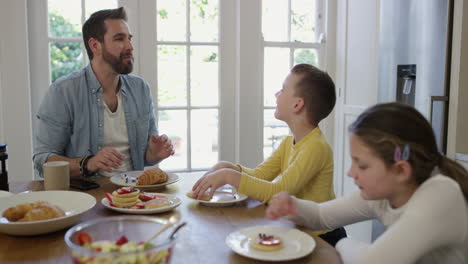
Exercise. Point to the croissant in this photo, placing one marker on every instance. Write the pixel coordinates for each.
(42, 212)
(17, 212)
(152, 176)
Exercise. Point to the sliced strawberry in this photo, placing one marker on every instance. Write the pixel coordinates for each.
(122, 240)
(125, 190)
(140, 205)
(146, 197)
(83, 238)
(109, 198)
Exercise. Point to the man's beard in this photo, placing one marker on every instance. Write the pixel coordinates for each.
(117, 63)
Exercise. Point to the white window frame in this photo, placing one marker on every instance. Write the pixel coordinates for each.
(241, 68)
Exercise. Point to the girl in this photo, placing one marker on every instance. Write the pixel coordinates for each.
(416, 192)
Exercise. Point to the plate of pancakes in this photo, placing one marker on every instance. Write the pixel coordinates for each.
(131, 200)
(149, 179)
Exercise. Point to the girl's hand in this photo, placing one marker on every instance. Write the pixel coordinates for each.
(281, 204)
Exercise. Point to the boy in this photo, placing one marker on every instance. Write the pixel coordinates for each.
(303, 163)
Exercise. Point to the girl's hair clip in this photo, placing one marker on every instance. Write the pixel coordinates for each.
(398, 155)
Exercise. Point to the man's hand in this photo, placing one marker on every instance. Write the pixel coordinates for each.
(107, 159)
(159, 148)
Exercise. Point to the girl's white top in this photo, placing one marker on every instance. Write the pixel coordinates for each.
(432, 227)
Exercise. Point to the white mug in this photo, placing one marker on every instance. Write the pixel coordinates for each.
(56, 175)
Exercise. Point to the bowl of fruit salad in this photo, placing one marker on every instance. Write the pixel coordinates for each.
(120, 239)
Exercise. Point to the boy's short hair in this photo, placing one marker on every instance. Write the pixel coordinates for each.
(317, 89)
(94, 26)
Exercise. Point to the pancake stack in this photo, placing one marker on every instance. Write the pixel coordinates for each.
(125, 197)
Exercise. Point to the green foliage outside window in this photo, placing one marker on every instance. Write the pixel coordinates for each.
(65, 57)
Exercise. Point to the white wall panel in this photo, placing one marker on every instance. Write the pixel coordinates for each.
(15, 93)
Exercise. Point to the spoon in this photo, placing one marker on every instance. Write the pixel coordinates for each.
(176, 229)
(172, 220)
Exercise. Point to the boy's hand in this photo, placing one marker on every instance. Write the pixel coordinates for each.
(281, 204)
(223, 165)
(214, 180)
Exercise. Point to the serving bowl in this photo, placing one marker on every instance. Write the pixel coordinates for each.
(74, 204)
(105, 241)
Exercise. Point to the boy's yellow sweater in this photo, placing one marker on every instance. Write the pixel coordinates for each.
(304, 169)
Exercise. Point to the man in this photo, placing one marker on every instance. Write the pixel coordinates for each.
(100, 119)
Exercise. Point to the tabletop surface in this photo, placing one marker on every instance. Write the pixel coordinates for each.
(215, 223)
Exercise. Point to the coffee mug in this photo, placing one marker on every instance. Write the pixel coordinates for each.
(56, 175)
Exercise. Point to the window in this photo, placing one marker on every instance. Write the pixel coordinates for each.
(66, 49)
(292, 32)
(213, 66)
(187, 80)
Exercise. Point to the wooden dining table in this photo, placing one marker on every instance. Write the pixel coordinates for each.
(202, 240)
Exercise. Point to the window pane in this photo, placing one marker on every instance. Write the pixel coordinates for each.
(92, 6)
(64, 18)
(275, 20)
(172, 76)
(173, 123)
(204, 136)
(276, 68)
(303, 23)
(204, 20)
(171, 21)
(274, 131)
(65, 57)
(309, 56)
(204, 63)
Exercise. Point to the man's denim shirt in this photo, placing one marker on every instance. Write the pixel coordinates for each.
(70, 119)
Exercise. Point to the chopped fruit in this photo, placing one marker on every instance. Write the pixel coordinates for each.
(122, 240)
(83, 238)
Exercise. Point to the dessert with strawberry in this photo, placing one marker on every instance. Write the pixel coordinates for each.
(266, 242)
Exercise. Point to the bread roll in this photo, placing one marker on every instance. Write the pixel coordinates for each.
(152, 176)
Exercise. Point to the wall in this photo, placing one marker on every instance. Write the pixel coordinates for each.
(357, 65)
(457, 141)
(15, 117)
(462, 124)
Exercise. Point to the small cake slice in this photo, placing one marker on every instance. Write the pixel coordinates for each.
(266, 242)
(204, 197)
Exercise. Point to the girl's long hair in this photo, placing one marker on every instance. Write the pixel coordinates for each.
(384, 127)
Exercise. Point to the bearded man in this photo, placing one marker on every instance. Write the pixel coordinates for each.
(100, 119)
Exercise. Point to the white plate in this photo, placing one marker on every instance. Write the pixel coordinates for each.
(173, 200)
(296, 244)
(223, 197)
(119, 180)
(74, 204)
(5, 194)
